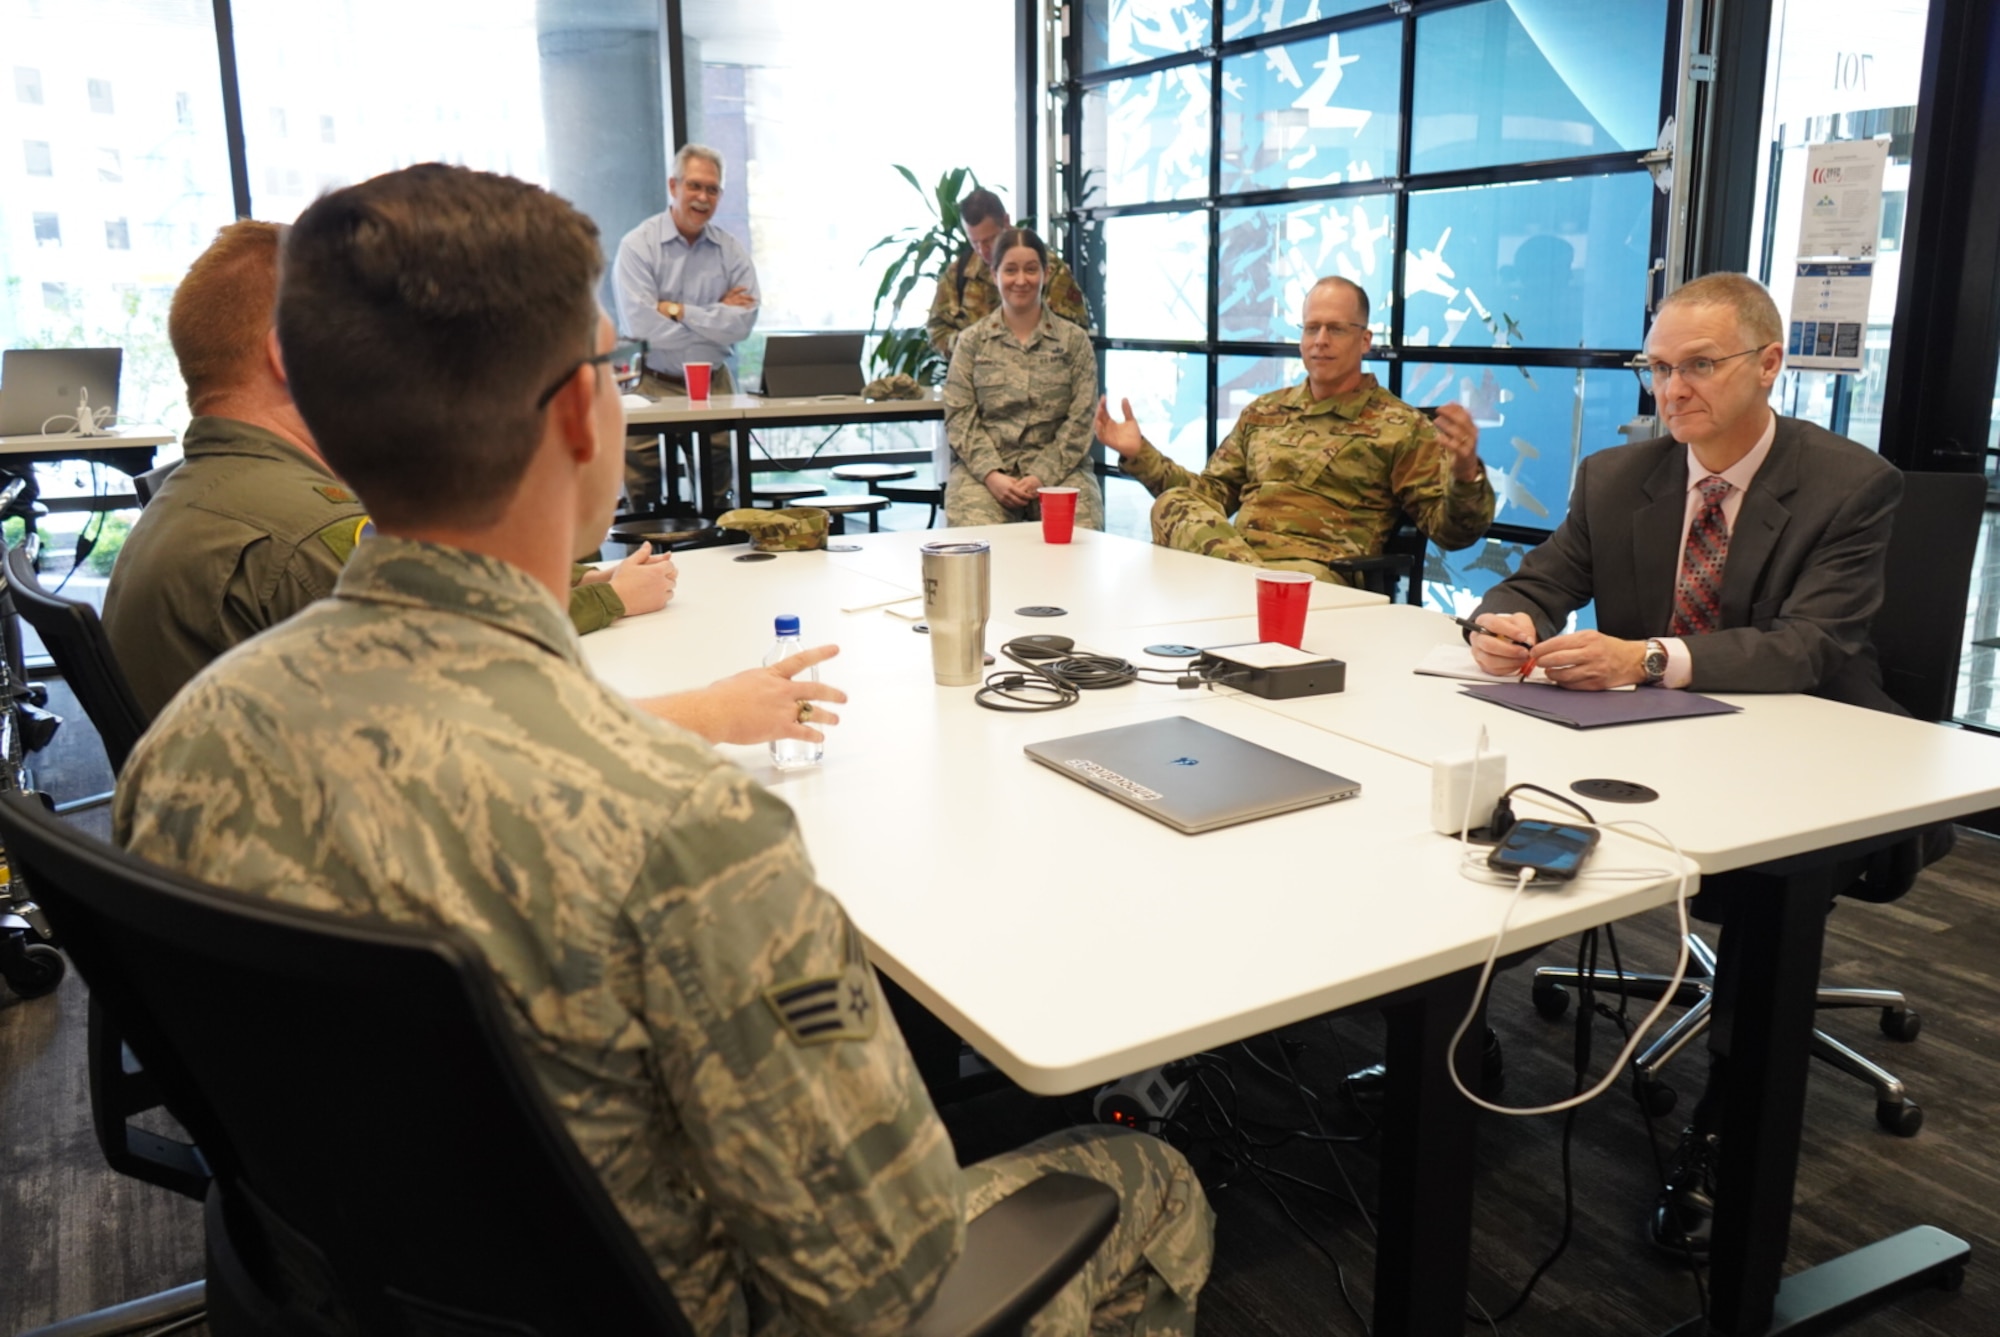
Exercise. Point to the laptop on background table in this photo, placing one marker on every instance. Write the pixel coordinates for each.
(813, 364)
(1192, 777)
(37, 384)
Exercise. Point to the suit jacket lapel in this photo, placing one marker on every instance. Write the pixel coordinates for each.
(1759, 525)
(1656, 537)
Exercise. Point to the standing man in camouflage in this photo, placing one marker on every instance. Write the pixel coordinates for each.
(1321, 471)
(967, 294)
(426, 746)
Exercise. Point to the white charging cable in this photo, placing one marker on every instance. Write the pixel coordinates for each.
(86, 421)
(1624, 1058)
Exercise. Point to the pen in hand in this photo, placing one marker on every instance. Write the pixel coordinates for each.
(1470, 625)
(1527, 667)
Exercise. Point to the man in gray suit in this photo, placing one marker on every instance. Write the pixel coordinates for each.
(1743, 553)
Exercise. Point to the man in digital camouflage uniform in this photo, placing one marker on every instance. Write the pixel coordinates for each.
(253, 526)
(648, 910)
(966, 294)
(1321, 471)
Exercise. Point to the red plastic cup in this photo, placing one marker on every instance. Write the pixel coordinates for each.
(696, 376)
(1058, 513)
(1282, 598)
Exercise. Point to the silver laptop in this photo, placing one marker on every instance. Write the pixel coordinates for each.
(37, 384)
(812, 364)
(1190, 776)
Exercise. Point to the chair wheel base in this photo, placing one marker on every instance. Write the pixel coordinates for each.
(1655, 1097)
(1901, 1023)
(1904, 1120)
(1551, 999)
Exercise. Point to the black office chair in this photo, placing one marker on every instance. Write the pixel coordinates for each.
(1918, 637)
(146, 484)
(1401, 560)
(76, 641)
(385, 1160)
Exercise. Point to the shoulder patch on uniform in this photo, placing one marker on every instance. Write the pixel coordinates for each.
(336, 494)
(342, 537)
(821, 1009)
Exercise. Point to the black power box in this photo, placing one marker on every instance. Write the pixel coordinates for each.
(1270, 670)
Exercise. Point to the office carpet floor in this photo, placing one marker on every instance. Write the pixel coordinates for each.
(74, 1236)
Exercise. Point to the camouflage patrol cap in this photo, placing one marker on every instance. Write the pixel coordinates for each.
(793, 529)
(899, 386)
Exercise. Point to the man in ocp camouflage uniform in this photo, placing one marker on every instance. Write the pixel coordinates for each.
(426, 746)
(966, 294)
(1321, 471)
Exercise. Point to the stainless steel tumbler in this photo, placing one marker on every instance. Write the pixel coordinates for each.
(957, 584)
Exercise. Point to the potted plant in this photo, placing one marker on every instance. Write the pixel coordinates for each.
(917, 256)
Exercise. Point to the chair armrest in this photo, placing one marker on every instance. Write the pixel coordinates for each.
(1387, 561)
(120, 1090)
(1018, 1254)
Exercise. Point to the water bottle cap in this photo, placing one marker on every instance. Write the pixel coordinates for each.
(788, 624)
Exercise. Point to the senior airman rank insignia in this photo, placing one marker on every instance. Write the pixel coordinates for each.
(820, 1009)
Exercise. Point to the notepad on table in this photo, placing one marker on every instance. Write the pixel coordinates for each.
(1456, 661)
(1595, 710)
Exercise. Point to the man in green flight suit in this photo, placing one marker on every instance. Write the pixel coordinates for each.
(253, 526)
(1321, 471)
(427, 746)
(966, 294)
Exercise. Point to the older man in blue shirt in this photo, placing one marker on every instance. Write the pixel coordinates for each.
(689, 290)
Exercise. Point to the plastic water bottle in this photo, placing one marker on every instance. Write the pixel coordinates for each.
(791, 754)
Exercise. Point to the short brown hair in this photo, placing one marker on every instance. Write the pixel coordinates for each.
(979, 206)
(421, 313)
(1749, 299)
(1338, 283)
(221, 311)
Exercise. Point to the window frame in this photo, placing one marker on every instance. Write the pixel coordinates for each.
(1080, 221)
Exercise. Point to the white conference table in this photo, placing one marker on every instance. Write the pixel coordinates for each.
(1101, 580)
(1072, 940)
(1778, 795)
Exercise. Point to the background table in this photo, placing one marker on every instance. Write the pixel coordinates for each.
(128, 449)
(741, 414)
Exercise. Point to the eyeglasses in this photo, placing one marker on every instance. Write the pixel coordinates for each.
(1338, 329)
(624, 359)
(696, 188)
(1694, 369)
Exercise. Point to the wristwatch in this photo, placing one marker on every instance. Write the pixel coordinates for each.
(677, 311)
(1654, 665)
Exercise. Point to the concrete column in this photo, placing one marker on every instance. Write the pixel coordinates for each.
(604, 111)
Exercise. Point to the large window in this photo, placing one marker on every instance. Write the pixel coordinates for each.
(815, 105)
(112, 194)
(569, 96)
(1841, 70)
(1475, 166)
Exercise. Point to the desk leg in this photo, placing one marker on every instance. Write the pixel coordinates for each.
(740, 487)
(1766, 983)
(1424, 1224)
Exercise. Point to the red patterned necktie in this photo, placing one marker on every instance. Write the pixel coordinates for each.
(1698, 593)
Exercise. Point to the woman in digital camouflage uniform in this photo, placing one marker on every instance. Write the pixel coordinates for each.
(1018, 401)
